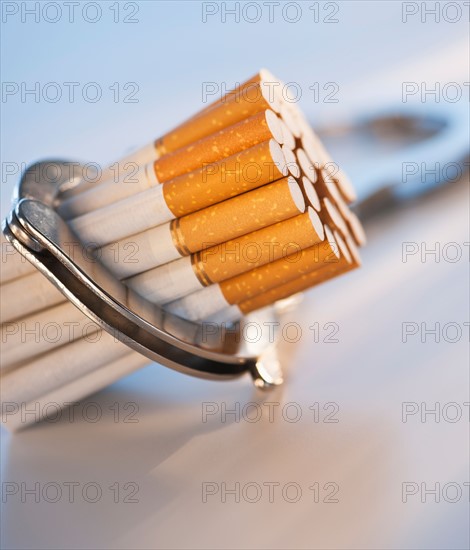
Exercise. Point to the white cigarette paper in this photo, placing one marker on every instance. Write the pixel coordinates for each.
(59, 367)
(130, 178)
(18, 415)
(41, 332)
(28, 294)
(202, 304)
(13, 264)
(123, 218)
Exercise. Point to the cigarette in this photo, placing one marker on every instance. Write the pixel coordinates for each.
(248, 88)
(272, 203)
(316, 154)
(245, 134)
(183, 195)
(70, 393)
(331, 188)
(204, 304)
(213, 265)
(27, 294)
(41, 332)
(59, 367)
(314, 147)
(334, 177)
(225, 143)
(257, 96)
(297, 119)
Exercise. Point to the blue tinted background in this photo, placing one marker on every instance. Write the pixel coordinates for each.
(170, 52)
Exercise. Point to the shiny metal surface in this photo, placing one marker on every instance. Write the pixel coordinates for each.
(204, 350)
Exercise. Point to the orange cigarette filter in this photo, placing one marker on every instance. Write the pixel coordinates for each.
(331, 216)
(224, 143)
(290, 288)
(349, 260)
(226, 178)
(256, 97)
(247, 87)
(269, 276)
(266, 245)
(242, 214)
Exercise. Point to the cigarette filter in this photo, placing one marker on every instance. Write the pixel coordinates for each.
(332, 216)
(288, 289)
(288, 116)
(291, 161)
(249, 88)
(288, 138)
(349, 260)
(260, 127)
(256, 96)
(311, 194)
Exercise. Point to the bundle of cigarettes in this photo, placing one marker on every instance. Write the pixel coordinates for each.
(236, 208)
